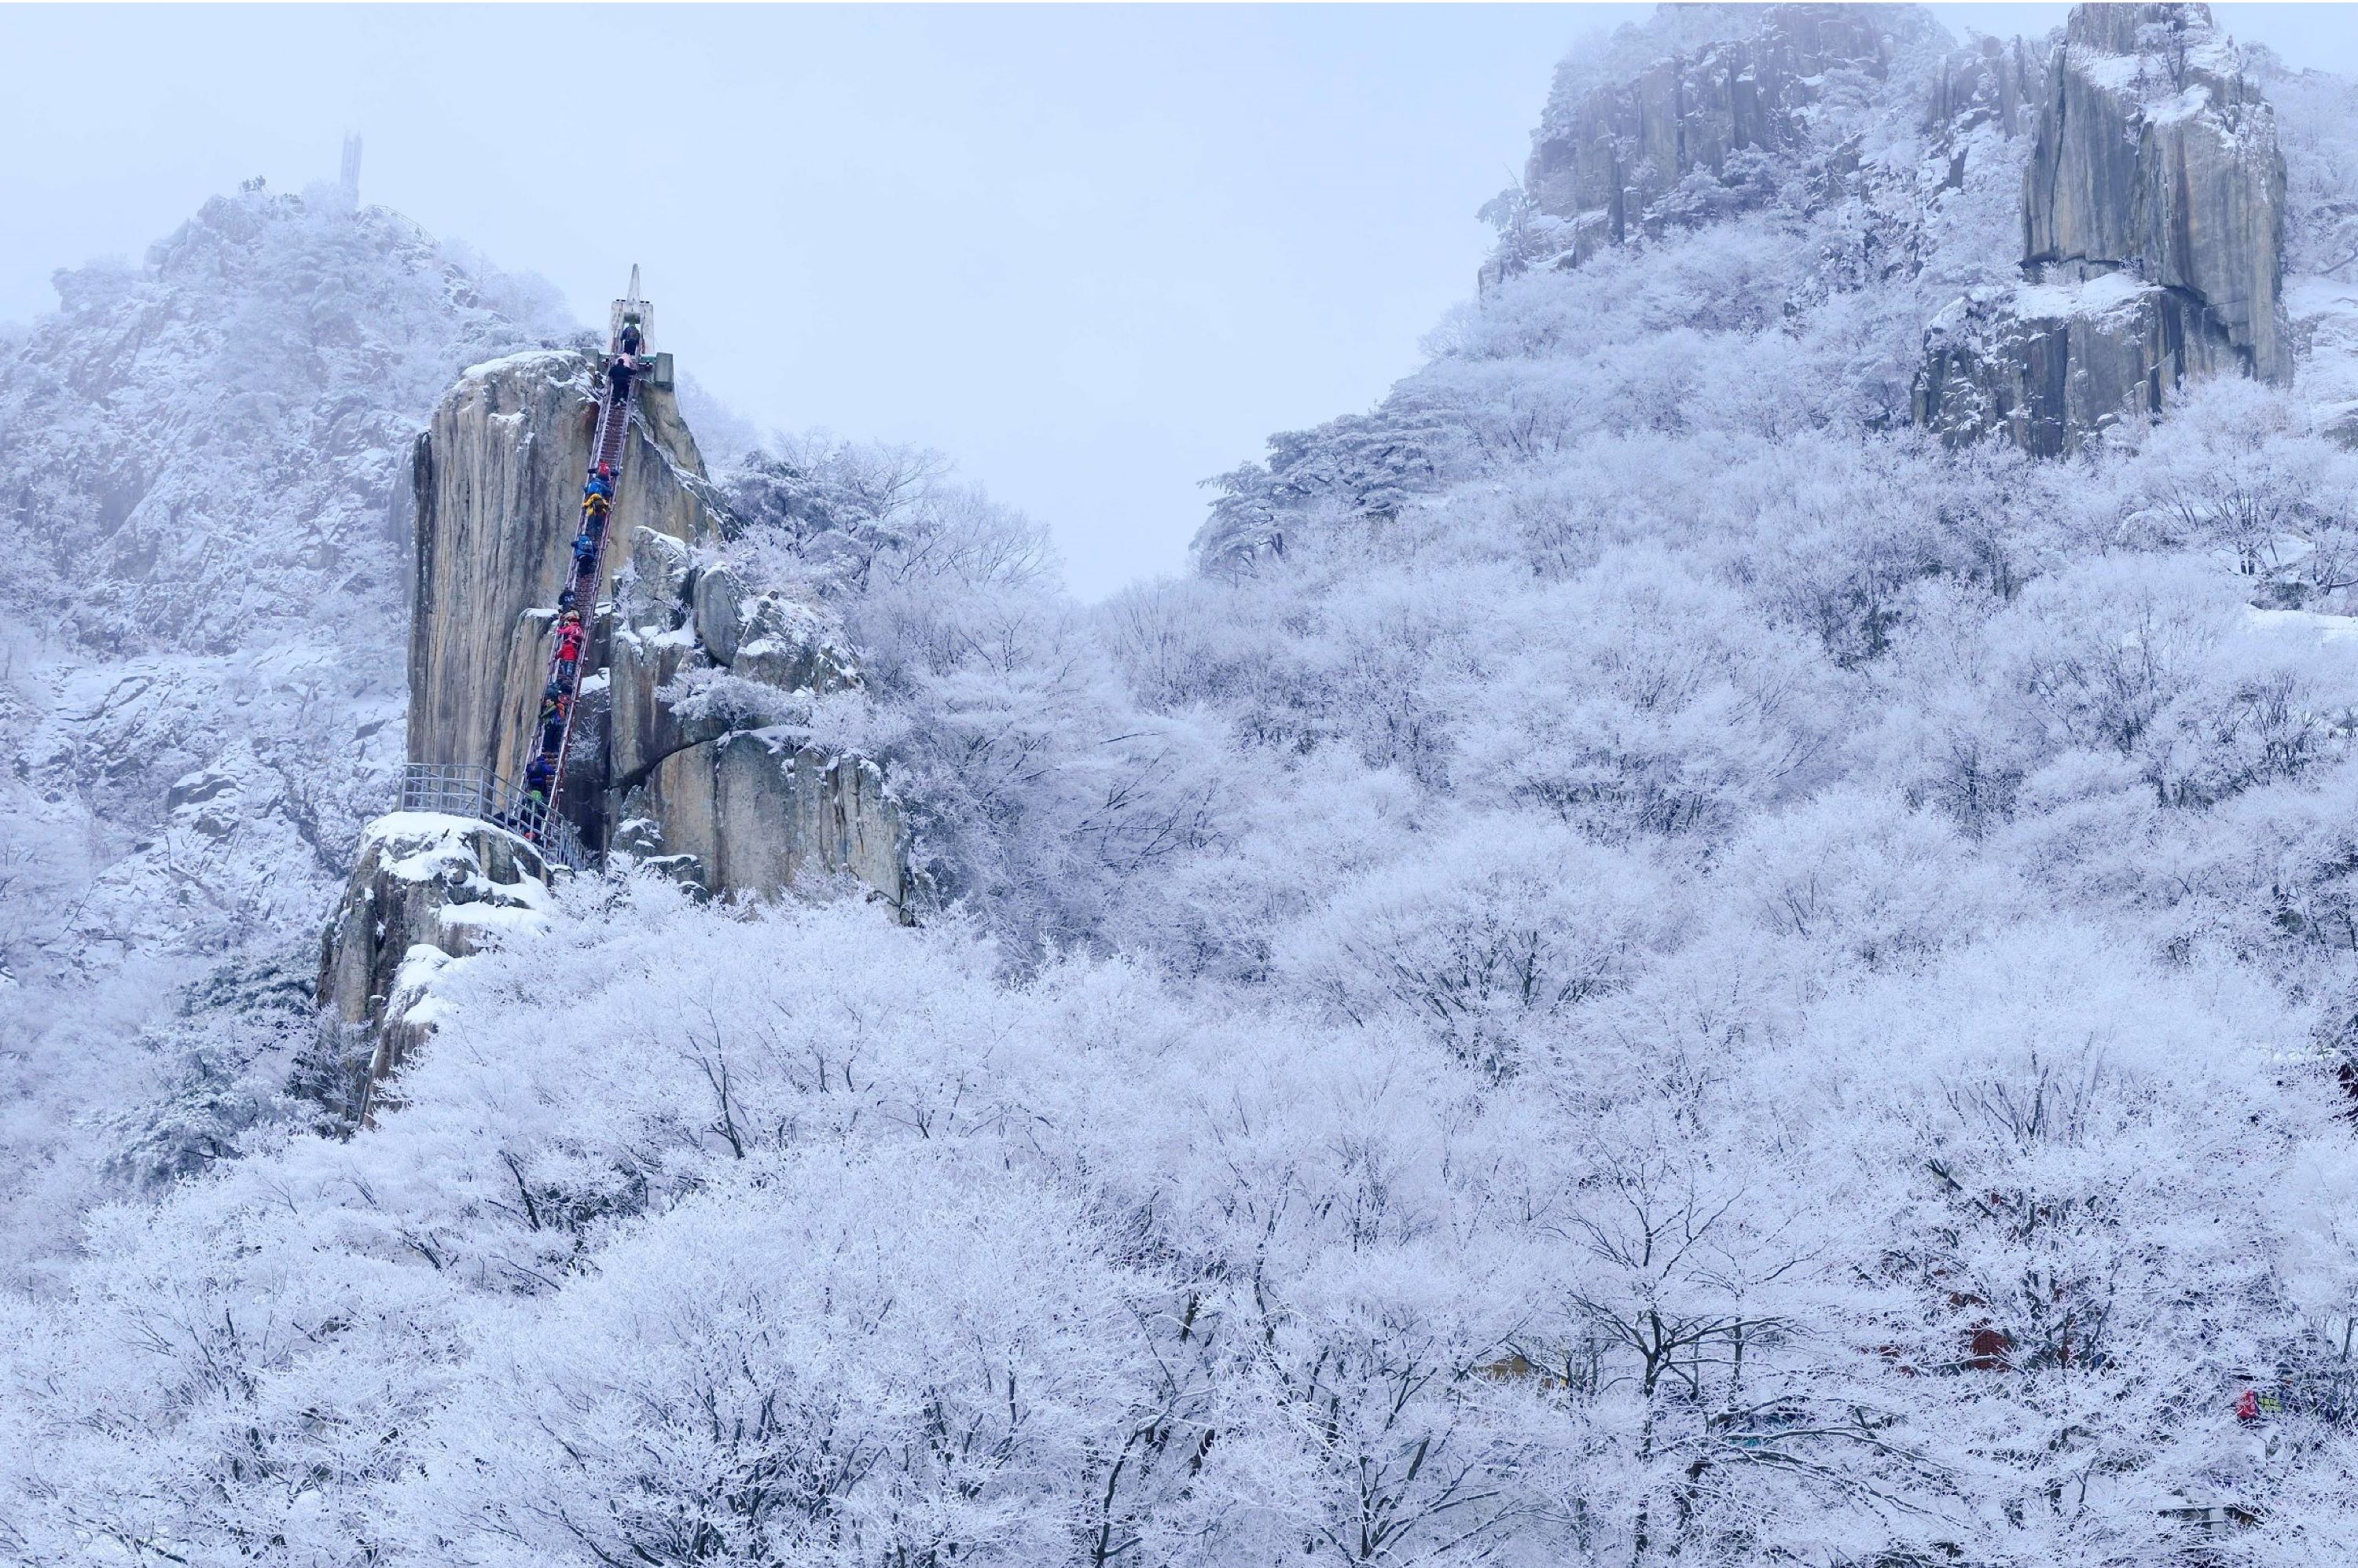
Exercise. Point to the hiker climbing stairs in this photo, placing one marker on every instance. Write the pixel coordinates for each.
(553, 731)
(533, 806)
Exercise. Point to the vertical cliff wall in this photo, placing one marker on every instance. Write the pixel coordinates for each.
(498, 483)
(1617, 159)
(2152, 236)
(2157, 156)
(497, 480)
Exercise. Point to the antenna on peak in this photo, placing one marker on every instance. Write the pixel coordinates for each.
(351, 178)
(631, 331)
(633, 312)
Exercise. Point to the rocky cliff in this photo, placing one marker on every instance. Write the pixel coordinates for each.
(2152, 242)
(1701, 128)
(497, 477)
(498, 481)
(2049, 366)
(2157, 156)
(700, 771)
(688, 748)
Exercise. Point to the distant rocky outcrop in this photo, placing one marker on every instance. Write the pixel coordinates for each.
(1700, 129)
(2152, 234)
(1991, 84)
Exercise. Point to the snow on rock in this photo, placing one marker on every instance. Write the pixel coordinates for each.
(2052, 366)
(1702, 120)
(427, 888)
(498, 490)
(2152, 242)
(559, 365)
(1618, 790)
(2155, 153)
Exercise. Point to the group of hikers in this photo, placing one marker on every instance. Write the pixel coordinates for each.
(565, 668)
(581, 586)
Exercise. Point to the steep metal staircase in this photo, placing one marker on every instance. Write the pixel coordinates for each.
(586, 570)
(531, 809)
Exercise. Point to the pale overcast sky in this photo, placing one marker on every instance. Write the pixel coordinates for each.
(1094, 254)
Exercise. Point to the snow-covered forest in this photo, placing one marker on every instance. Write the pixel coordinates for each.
(1649, 959)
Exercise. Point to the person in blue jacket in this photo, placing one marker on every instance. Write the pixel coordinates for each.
(538, 776)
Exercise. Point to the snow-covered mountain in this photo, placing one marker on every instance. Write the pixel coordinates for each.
(203, 458)
(1665, 954)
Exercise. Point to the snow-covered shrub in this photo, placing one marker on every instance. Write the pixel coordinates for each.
(1472, 937)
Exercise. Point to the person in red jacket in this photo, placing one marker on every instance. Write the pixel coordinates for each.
(568, 641)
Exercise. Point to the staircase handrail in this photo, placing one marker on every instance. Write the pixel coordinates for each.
(466, 789)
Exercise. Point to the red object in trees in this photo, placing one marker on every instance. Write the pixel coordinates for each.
(2247, 1405)
(1989, 1350)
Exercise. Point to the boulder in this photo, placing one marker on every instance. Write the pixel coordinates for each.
(657, 580)
(719, 596)
(497, 488)
(426, 888)
(2340, 426)
(762, 817)
(789, 645)
(645, 729)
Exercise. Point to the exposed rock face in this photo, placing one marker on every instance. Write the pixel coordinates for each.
(1608, 162)
(497, 477)
(425, 888)
(1991, 84)
(702, 774)
(2152, 232)
(753, 812)
(686, 747)
(2052, 366)
(2155, 154)
(498, 485)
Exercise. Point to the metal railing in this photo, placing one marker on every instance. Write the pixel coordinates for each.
(462, 789)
